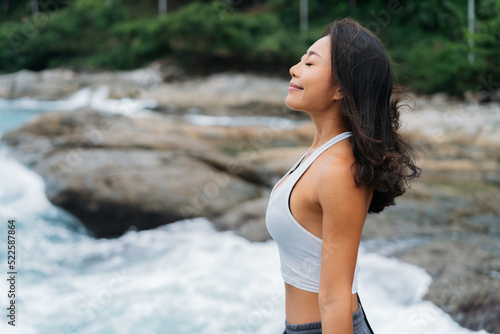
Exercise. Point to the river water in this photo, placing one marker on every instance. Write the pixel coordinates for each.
(180, 278)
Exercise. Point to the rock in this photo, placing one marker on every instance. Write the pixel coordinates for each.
(466, 278)
(278, 160)
(222, 91)
(115, 172)
(472, 97)
(490, 95)
(127, 84)
(433, 209)
(221, 94)
(87, 128)
(170, 73)
(246, 219)
(217, 92)
(284, 149)
(113, 190)
(459, 169)
(451, 229)
(55, 84)
(46, 85)
(238, 167)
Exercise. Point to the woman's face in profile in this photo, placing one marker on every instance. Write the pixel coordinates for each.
(310, 88)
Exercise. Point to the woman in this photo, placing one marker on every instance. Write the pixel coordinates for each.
(357, 164)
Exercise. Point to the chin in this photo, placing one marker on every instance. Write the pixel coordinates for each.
(290, 104)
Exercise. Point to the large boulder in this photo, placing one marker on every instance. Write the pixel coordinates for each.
(112, 190)
(115, 172)
(450, 229)
(222, 91)
(276, 159)
(55, 84)
(46, 85)
(246, 219)
(466, 278)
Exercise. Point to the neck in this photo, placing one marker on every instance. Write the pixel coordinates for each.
(328, 124)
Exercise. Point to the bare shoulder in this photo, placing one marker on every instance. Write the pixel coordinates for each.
(336, 180)
(338, 169)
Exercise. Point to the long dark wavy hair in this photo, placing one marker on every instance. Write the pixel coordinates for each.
(362, 69)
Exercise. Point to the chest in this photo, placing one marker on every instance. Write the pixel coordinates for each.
(302, 199)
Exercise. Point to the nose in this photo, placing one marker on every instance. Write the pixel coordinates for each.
(294, 70)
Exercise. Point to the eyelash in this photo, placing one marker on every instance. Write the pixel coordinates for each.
(308, 64)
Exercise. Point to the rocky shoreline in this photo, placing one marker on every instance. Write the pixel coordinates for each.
(116, 172)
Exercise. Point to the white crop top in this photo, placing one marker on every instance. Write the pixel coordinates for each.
(299, 249)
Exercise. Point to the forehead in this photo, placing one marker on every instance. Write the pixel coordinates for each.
(322, 46)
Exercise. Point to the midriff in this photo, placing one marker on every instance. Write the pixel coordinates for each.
(303, 306)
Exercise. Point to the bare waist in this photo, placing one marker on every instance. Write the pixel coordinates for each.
(303, 306)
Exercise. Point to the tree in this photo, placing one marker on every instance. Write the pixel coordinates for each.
(34, 6)
(470, 15)
(162, 7)
(304, 15)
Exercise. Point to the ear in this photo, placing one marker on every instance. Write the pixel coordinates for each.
(337, 95)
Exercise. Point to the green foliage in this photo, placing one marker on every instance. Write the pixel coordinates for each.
(201, 32)
(56, 38)
(139, 41)
(433, 65)
(215, 30)
(428, 38)
(430, 43)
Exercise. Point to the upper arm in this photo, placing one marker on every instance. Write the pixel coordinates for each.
(344, 208)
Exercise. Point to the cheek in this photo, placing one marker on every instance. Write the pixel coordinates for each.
(326, 90)
(321, 97)
(321, 92)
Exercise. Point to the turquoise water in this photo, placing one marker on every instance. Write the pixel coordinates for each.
(180, 278)
(11, 118)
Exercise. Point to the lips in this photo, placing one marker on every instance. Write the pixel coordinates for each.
(294, 86)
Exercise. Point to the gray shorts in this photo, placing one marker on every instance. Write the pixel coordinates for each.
(359, 322)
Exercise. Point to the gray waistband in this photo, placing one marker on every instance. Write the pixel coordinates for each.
(358, 320)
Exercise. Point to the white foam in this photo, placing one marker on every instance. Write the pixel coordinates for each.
(21, 190)
(188, 278)
(97, 99)
(272, 122)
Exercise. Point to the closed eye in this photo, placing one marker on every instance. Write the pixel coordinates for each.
(308, 64)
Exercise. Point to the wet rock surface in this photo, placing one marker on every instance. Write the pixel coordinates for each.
(453, 231)
(116, 173)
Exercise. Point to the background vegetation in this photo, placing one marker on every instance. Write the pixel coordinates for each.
(427, 39)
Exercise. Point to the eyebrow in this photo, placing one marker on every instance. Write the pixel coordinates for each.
(311, 53)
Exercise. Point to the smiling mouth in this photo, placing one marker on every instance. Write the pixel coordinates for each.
(294, 87)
